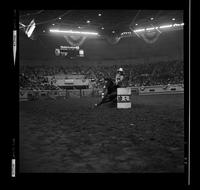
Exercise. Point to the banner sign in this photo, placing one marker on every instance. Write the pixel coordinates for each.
(123, 98)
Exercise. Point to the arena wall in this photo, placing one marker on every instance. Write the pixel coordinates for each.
(26, 95)
(161, 89)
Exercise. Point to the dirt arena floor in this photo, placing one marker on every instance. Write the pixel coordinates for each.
(70, 136)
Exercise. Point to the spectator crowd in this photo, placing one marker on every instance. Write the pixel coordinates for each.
(144, 74)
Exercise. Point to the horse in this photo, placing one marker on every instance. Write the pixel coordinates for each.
(111, 95)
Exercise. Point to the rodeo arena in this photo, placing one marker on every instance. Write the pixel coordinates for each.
(101, 91)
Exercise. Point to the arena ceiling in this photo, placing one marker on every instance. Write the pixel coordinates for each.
(43, 47)
(105, 22)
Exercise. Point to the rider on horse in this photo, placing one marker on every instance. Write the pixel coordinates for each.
(119, 77)
(110, 88)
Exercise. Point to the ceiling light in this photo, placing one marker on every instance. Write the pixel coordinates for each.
(59, 18)
(151, 18)
(73, 32)
(150, 28)
(166, 26)
(139, 30)
(88, 21)
(30, 28)
(99, 14)
(173, 19)
(136, 24)
(102, 28)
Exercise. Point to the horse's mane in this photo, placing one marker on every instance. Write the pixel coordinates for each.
(109, 79)
(109, 82)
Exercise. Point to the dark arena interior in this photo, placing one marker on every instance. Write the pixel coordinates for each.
(62, 71)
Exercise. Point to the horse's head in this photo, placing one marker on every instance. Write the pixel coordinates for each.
(108, 82)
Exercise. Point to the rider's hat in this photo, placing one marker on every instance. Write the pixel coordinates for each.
(120, 69)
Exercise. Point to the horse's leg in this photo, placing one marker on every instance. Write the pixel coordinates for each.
(104, 100)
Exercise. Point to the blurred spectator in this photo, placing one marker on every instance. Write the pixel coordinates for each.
(145, 74)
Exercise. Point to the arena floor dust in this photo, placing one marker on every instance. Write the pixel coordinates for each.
(70, 136)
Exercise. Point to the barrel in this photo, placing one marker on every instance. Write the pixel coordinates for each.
(123, 98)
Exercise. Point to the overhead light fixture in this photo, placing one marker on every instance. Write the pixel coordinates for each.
(136, 24)
(43, 30)
(166, 26)
(99, 14)
(157, 27)
(102, 28)
(73, 32)
(113, 31)
(30, 28)
(79, 27)
(148, 29)
(59, 18)
(151, 18)
(88, 21)
(139, 30)
(173, 19)
(178, 24)
(53, 24)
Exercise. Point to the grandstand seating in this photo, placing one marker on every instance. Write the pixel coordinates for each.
(142, 74)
